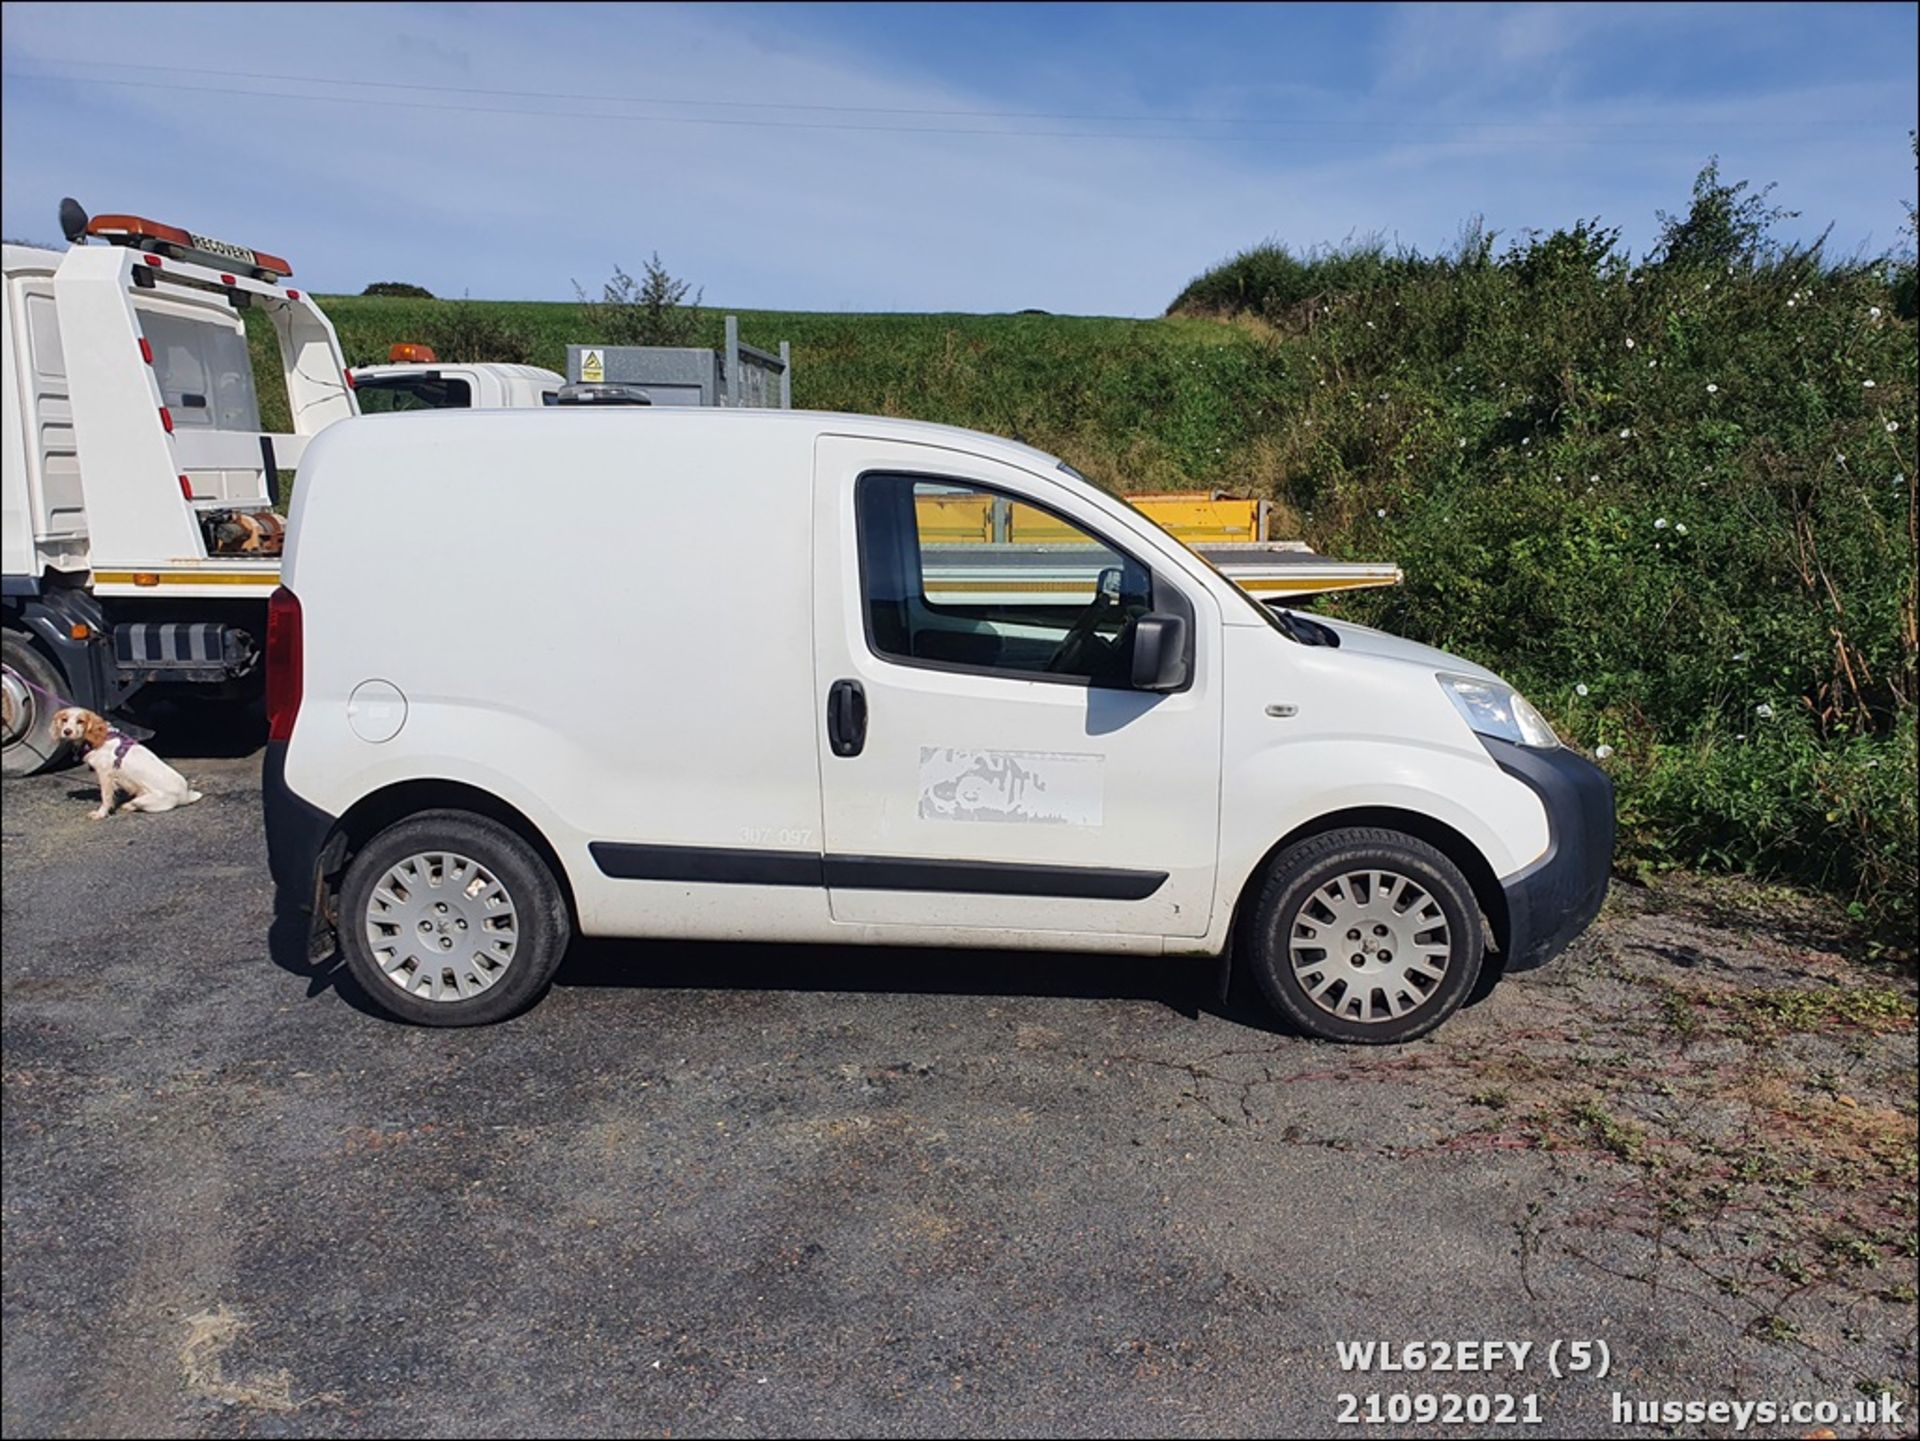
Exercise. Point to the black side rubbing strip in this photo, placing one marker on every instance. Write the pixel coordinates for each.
(726, 865)
(719, 865)
(991, 878)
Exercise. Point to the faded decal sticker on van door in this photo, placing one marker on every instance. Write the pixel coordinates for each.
(1042, 788)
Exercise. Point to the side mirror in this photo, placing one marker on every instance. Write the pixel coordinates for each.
(1159, 652)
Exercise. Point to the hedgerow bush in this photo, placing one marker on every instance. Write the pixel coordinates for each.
(1670, 498)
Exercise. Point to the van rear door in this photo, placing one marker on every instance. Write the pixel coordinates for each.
(985, 762)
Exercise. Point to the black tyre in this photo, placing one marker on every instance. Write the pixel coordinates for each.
(450, 919)
(26, 710)
(1365, 935)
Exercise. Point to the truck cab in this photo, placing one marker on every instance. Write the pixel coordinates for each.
(139, 481)
(414, 379)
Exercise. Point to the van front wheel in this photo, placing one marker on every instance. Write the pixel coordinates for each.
(1365, 935)
(450, 919)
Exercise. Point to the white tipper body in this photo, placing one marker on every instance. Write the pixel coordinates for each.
(533, 604)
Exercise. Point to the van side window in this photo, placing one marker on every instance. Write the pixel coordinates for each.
(959, 577)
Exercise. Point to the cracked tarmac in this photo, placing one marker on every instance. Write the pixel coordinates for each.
(767, 1190)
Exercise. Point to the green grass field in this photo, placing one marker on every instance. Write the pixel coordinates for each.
(1136, 404)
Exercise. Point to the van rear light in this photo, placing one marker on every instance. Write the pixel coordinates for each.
(146, 350)
(186, 487)
(293, 295)
(166, 420)
(226, 280)
(152, 260)
(352, 384)
(284, 663)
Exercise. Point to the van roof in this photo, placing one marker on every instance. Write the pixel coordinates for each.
(818, 422)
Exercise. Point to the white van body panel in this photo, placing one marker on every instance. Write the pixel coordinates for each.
(1366, 731)
(579, 650)
(1148, 765)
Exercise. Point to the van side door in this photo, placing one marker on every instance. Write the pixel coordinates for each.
(985, 761)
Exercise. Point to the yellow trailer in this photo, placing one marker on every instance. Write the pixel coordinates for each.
(1229, 532)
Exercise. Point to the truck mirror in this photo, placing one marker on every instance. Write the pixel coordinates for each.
(1159, 652)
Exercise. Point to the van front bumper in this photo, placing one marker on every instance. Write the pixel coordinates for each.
(1553, 900)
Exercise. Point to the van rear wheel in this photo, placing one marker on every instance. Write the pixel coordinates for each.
(1365, 935)
(450, 919)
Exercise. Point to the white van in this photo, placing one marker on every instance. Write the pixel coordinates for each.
(502, 714)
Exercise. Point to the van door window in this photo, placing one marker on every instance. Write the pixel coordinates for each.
(961, 577)
(204, 370)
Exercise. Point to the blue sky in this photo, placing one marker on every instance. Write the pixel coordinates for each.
(1085, 159)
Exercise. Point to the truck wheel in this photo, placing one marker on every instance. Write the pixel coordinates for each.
(26, 714)
(450, 919)
(1365, 935)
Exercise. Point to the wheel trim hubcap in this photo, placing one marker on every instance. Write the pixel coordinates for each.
(441, 926)
(1370, 946)
(17, 702)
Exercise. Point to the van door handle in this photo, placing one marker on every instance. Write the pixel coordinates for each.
(847, 718)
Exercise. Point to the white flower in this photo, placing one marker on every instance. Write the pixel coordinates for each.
(1382, 512)
(1764, 711)
(1873, 312)
(1629, 342)
(1463, 442)
(1593, 480)
(1625, 434)
(1742, 736)
(1526, 440)
(1660, 524)
(1652, 364)
(1866, 385)
(1680, 529)
(1892, 426)
(1740, 654)
(1602, 752)
(1580, 689)
(1712, 389)
(1789, 305)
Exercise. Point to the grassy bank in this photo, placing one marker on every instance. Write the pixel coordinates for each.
(1670, 497)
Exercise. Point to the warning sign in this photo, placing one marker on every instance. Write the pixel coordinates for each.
(592, 366)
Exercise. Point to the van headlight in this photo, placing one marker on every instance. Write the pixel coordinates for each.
(1498, 710)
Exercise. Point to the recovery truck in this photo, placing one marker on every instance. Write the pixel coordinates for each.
(137, 503)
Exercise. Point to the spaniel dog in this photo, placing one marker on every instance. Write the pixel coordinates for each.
(123, 764)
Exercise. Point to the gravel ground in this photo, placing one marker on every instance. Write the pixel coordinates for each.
(764, 1190)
